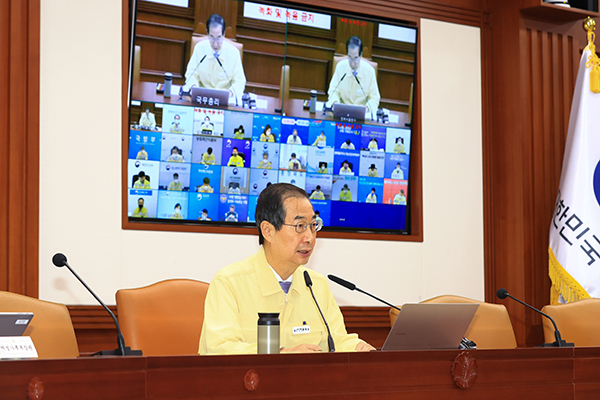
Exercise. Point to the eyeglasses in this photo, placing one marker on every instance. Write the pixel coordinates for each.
(301, 227)
(213, 39)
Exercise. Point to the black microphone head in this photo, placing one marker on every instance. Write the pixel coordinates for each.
(340, 281)
(59, 259)
(502, 293)
(307, 279)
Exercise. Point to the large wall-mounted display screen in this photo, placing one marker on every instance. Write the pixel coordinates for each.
(233, 116)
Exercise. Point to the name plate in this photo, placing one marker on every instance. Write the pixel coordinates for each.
(17, 347)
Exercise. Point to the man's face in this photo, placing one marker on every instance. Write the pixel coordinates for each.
(143, 178)
(141, 203)
(345, 165)
(295, 132)
(234, 152)
(354, 57)
(265, 156)
(176, 120)
(232, 208)
(215, 37)
(174, 151)
(290, 248)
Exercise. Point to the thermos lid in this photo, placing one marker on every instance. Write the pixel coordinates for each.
(268, 318)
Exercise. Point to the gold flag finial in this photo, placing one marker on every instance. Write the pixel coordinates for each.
(589, 24)
(593, 61)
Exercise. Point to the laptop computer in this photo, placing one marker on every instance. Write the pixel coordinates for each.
(206, 97)
(14, 323)
(349, 112)
(430, 326)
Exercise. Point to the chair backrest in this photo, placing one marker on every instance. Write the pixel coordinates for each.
(199, 38)
(164, 318)
(490, 328)
(51, 328)
(578, 322)
(337, 59)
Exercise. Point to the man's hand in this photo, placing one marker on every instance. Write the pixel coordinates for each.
(364, 346)
(301, 348)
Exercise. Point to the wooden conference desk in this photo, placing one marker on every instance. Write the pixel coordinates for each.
(146, 91)
(568, 373)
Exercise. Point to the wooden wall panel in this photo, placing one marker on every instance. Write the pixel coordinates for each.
(534, 66)
(160, 55)
(19, 145)
(528, 70)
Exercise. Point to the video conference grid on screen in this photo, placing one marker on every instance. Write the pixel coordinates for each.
(211, 165)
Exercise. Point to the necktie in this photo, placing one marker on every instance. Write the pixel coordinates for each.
(285, 286)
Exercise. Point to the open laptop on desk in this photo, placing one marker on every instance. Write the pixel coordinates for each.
(349, 112)
(14, 323)
(430, 326)
(206, 97)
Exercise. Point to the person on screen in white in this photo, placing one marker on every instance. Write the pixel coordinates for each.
(294, 164)
(208, 158)
(345, 169)
(235, 160)
(400, 198)
(265, 163)
(372, 197)
(204, 70)
(147, 120)
(204, 216)
(321, 140)
(231, 215)
(317, 194)
(399, 147)
(175, 185)
(142, 154)
(140, 211)
(175, 156)
(177, 214)
(272, 280)
(205, 188)
(141, 182)
(176, 125)
(207, 127)
(294, 138)
(234, 188)
(345, 194)
(372, 171)
(354, 70)
(347, 145)
(397, 173)
(373, 146)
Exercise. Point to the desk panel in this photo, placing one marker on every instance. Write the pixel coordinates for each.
(500, 374)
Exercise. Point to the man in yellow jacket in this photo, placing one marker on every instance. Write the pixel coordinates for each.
(287, 229)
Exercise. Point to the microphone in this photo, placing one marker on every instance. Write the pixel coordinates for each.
(352, 286)
(230, 81)
(308, 282)
(60, 260)
(503, 293)
(361, 88)
(181, 91)
(336, 86)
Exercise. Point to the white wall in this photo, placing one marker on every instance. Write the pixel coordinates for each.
(80, 177)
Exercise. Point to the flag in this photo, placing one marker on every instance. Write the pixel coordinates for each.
(574, 249)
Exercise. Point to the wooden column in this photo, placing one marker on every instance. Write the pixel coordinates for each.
(19, 145)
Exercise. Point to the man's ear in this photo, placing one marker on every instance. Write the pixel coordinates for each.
(267, 230)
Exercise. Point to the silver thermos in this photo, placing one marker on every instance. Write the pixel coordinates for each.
(268, 333)
(313, 101)
(168, 81)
